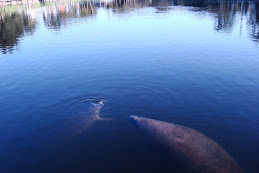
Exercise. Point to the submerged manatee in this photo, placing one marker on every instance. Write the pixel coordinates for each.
(196, 152)
(92, 115)
(78, 119)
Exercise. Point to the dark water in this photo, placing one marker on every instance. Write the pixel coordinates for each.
(195, 63)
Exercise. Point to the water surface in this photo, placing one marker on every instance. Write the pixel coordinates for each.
(194, 63)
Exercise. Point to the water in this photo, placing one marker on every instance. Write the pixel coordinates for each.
(194, 63)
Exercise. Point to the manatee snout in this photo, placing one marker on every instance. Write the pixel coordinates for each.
(99, 102)
(133, 118)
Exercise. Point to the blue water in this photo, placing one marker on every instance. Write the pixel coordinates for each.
(194, 63)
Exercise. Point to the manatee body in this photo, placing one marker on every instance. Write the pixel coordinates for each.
(195, 151)
(78, 122)
(92, 115)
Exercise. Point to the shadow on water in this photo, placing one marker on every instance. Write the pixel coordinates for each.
(17, 23)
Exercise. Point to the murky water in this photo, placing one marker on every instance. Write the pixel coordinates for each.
(195, 63)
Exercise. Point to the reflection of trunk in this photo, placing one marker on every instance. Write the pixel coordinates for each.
(241, 22)
(226, 15)
(87, 7)
(254, 21)
(1, 17)
(92, 10)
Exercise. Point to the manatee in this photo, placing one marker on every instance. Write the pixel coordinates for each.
(92, 115)
(78, 120)
(194, 151)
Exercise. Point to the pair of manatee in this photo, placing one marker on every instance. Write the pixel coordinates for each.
(196, 152)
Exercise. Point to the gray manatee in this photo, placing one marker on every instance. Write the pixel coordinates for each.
(80, 121)
(195, 151)
(92, 115)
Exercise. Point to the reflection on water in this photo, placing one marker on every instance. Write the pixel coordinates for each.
(59, 15)
(193, 63)
(13, 26)
(16, 23)
(253, 22)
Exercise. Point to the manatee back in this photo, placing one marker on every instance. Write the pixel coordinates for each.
(197, 152)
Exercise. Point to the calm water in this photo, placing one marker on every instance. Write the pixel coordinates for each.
(195, 63)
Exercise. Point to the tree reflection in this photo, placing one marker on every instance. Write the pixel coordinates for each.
(13, 26)
(60, 15)
(253, 21)
(227, 14)
(123, 6)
